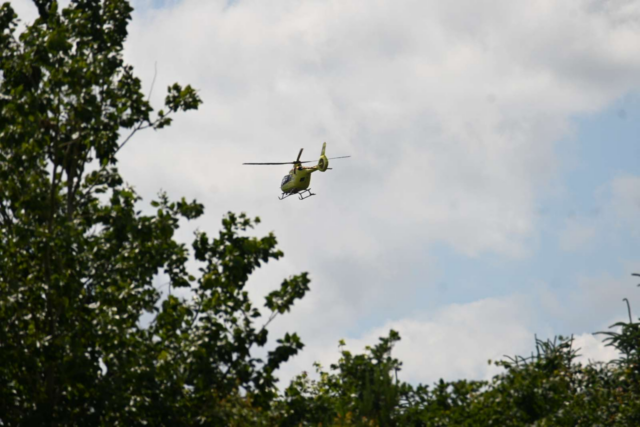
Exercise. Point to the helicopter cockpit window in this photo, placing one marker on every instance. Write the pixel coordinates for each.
(286, 179)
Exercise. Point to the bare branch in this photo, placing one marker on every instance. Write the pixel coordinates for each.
(140, 127)
(273, 315)
(153, 82)
(133, 132)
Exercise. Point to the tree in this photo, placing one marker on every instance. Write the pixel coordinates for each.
(78, 259)
(361, 389)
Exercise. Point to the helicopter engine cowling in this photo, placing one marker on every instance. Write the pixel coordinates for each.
(323, 163)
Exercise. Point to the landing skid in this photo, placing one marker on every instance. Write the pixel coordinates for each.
(285, 195)
(309, 194)
(304, 194)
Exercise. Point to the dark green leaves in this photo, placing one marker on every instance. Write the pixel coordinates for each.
(181, 99)
(7, 20)
(191, 210)
(177, 99)
(288, 347)
(94, 333)
(291, 289)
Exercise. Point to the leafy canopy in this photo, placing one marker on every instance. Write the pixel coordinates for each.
(78, 259)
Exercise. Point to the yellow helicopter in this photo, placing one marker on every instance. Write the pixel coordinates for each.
(299, 178)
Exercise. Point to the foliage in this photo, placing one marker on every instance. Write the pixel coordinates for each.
(78, 260)
(358, 390)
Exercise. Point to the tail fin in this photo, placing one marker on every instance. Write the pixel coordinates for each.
(323, 162)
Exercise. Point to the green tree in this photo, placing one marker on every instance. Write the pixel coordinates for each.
(78, 259)
(360, 389)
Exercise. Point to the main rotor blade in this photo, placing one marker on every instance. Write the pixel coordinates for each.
(283, 163)
(314, 161)
(298, 162)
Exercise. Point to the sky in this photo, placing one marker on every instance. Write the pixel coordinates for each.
(493, 189)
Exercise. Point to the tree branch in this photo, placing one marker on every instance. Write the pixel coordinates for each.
(273, 315)
(153, 82)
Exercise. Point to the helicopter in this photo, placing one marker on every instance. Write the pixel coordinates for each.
(298, 179)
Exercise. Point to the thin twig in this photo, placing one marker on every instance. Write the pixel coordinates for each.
(140, 127)
(153, 82)
(273, 316)
(136, 129)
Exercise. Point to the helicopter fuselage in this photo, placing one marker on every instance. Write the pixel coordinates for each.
(297, 180)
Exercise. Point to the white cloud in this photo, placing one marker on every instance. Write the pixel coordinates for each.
(25, 10)
(458, 340)
(454, 342)
(592, 349)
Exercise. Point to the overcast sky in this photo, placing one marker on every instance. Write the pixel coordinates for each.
(493, 191)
